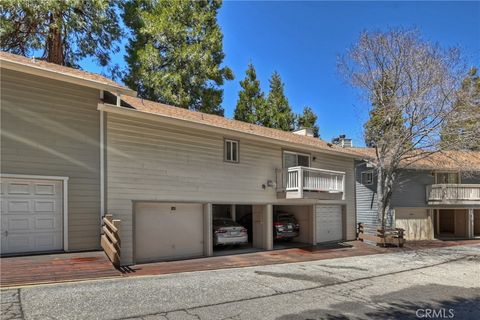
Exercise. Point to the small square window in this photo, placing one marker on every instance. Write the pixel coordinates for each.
(367, 177)
(231, 150)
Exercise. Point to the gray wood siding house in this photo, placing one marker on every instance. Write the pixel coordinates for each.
(434, 200)
(75, 146)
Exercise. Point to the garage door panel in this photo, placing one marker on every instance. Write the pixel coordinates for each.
(32, 215)
(329, 225)
(165, 231)
(18, 206)
(44, 189)
(19, 224)
(44, 206)
(18, 188)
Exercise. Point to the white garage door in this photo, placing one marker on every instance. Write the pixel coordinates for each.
(32, 215)
(166, 231)
(329, 223)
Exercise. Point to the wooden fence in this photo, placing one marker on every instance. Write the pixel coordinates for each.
(381, 236)
(110, 239)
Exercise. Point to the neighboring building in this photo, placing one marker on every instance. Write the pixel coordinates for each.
(342, 141)
(436, 197)
(75, 145)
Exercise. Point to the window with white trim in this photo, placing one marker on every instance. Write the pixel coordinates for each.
(367, 178)
(231, 150)
(448, 177)
(295, 159)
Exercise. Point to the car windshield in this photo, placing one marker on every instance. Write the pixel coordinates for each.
(225, 223)
(285, 218)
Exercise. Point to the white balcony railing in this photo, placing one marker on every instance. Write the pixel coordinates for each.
(300, 179)
(453, 194)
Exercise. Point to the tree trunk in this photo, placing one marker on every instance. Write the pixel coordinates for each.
(380, 194)
(54, 39)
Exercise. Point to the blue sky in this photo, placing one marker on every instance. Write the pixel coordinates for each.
(301, 41)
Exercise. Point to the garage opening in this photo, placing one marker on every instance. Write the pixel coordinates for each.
(452, 223)
(292, 226)
(233, 230)
(168, 231)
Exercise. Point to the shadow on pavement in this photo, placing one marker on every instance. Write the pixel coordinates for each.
(419, 302)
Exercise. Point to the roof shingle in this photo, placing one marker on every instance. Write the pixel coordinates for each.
(239, 126)
(66, 71)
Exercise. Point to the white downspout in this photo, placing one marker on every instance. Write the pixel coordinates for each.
(102, 163)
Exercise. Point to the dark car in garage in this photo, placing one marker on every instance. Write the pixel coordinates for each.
(285, 226)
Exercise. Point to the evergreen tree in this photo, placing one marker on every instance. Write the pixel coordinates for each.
(276, 113)
(175, 53)
(308, 119)
(385, 117)
(64, 31)
(250, 98)
(462, 128)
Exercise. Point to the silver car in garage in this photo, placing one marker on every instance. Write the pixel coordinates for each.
(228, 232)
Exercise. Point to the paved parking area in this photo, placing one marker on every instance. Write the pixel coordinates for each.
(401, 285)
(346, 249)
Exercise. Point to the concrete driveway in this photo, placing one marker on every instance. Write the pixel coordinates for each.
(403, 285)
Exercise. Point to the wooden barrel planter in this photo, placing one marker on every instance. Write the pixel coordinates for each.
(381, 236)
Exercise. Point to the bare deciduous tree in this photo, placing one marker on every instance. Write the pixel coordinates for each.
(413, 84)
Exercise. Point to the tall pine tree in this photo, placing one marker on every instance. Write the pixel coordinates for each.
(250, 98)
(277, 112)
(386, 119)
(175, 53)
(308, 119)
(64, 32)
(462, 128)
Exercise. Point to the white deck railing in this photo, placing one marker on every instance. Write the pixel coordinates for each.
(312, 179)
(453, 193)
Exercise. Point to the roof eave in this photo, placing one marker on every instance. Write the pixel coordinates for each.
(51, 74)
(210, 128)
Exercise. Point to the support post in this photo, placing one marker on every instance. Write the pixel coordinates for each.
(207, 230)
(233, 212)
(470, 226)
(313, 227)
(300, 182)
(268, 227)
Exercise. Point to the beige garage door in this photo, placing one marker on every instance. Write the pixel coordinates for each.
(32, 215)
(417, 223)
(168, 231)
(329, 226)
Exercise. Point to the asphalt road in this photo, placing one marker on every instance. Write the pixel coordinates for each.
(436, 283)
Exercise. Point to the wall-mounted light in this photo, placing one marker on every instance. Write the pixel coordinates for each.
(271, 184)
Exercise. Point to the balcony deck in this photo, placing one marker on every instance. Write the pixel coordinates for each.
(311, 183)
(453, 194)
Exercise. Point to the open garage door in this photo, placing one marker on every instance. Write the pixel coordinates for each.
(329, 226)
(168, 231)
